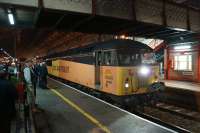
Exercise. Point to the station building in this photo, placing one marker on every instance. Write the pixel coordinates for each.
(182, 62)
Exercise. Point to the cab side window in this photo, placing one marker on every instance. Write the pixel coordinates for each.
(110, 58)
(107, 58)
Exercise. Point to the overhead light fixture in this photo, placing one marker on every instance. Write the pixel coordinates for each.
(185, 43)
(178, 29)
(182, 47)
(11, 17)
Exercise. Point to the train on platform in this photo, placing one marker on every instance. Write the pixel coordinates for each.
(122, 70)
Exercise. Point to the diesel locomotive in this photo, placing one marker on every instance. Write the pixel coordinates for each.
(123, 70)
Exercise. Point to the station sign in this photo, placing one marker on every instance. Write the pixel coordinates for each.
(82, 6)
(122, 9)
(32, 3)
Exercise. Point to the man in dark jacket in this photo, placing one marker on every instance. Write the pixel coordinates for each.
(8, 95)
(34, 77)
(43, 75)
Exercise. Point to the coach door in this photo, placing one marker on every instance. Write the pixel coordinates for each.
(98, 62)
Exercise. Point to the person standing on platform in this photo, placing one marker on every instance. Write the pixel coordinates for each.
(27, 74)
(34, 78)
(37, 69)
(43, 75)
(8, 96)
(29, 87)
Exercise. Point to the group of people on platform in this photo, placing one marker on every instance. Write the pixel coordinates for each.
(33, 74)
(36, 73)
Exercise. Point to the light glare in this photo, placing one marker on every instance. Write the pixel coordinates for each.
(144, 70)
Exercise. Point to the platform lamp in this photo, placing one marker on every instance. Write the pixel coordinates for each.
(11, 17)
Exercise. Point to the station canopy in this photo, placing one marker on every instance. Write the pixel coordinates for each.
(54, 25)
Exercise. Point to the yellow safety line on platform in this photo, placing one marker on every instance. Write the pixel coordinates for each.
(87, 115)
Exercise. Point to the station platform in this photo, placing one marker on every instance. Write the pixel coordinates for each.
(191, 86)
(65, 109)
(183, 94)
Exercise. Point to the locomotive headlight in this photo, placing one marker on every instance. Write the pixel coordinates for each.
(126, 85)
(144, 70)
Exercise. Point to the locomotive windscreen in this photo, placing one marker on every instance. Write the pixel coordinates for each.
(127, 58)
(148, 58)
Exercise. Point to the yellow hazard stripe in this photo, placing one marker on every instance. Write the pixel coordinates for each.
(87, 115)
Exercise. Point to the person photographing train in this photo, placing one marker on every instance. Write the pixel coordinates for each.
(8, 97)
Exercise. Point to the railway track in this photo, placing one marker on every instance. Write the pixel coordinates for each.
(180, 117)
(189, 114)
(180, 97)
(161, 122)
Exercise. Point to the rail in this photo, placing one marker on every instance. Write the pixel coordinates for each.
(160, 122)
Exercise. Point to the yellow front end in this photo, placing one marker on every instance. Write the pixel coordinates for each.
(128, 80)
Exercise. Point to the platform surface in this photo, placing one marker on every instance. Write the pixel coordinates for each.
(63, 118)
(191, 86)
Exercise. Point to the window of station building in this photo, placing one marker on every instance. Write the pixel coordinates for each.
(183, 62)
